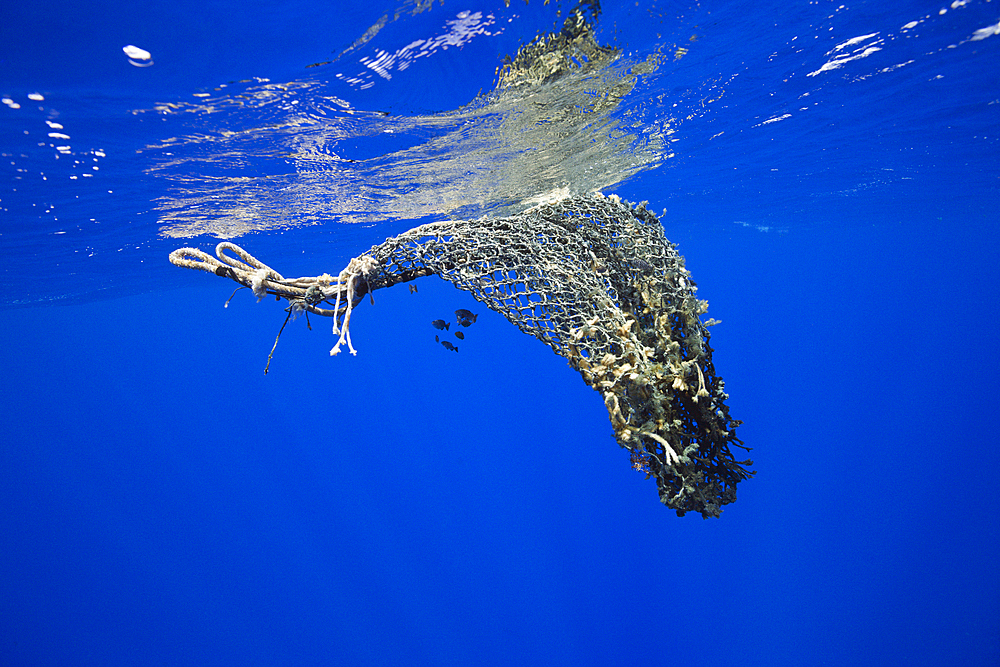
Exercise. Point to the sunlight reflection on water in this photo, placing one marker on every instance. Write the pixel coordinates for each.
(325, 161)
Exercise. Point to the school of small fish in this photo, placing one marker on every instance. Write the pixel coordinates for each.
(464, 317)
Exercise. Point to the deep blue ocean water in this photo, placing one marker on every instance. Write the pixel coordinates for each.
(830, 171)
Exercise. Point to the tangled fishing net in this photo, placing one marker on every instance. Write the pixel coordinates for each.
(592, 277)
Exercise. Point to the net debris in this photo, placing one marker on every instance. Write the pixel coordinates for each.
(594, 278)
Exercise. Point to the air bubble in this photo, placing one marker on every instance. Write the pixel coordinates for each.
(138, 57)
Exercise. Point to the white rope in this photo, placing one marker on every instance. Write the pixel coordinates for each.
(358, 267)
(236, 263)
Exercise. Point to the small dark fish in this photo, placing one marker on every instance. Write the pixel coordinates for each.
(441, 324)
(449, 346)
(464, 316)
(459, 335)
(436, 339)
(413, 289)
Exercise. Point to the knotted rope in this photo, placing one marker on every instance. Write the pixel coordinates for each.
(303, 294)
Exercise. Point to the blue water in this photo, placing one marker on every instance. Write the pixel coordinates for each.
(829, 171)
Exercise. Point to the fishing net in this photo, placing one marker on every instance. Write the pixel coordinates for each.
(592, 277)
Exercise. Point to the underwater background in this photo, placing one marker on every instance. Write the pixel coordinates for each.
(830, 171)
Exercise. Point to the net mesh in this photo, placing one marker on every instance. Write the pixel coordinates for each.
(595, 279)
